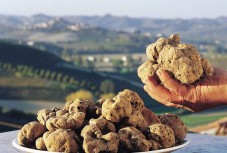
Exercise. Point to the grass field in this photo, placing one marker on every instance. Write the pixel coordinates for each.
(194, 120)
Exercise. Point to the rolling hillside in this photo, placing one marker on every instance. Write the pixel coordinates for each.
(38, 60)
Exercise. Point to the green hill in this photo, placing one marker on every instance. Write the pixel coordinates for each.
(24, 55)
(37, 62)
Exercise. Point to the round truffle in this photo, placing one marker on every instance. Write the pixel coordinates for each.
(176, 124)
(161, 133)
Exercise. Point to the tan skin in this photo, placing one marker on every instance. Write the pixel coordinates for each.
(206, 93)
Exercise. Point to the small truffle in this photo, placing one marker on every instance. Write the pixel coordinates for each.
(60, 140)
(176, 124)
(147, 69)
(44, 114)
(162, 134)
(136, 120)
(132, 139)
(67, 121)
(95, 141)
(29, 133)
(40, 144)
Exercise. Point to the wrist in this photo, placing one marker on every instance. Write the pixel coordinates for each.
(223, 89)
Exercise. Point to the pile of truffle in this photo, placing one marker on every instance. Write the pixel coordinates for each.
(182, 61)
(121, 124)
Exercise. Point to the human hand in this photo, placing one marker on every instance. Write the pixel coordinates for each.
(207, 93)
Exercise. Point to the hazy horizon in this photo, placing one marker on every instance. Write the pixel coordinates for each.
(112, 15)
(131, 8)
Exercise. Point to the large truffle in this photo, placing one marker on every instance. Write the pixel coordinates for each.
(183, 61)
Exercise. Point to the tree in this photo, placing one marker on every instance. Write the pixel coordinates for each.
(52, 75)
(59, 77)
(41, 73)
(19, 68)
(65, 79)
(7, 66)
(84, 94)
(47, 74)
(25, 69)
(30, 71)
(107, 86)
(36, 72)
(71, 80)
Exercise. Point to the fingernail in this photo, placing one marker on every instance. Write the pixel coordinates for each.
(145, 87)
(158, 72)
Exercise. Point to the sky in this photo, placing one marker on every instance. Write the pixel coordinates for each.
(132, 8)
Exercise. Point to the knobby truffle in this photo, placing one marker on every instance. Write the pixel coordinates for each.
(122, 124)
(182, 61)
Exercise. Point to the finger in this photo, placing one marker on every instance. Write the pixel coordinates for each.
(157, 96)
(170, 83)
(188, 106)
(160, 93)
(160, 98)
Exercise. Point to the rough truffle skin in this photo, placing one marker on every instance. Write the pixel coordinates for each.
(40, 144)
(207, 67)
(136, 120)
(60, 140)
(115, 110)
(103, 124)
(66, 121)
(44, 114)
(29, 133)
(152, 52)
(78, 105)
(182, 61)
(95, 141)
(148, 68)
(122, 105)
(135, 100)
(162, 134)
(132, 139)
(176, 124)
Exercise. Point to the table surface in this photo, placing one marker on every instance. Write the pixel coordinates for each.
(198, 143)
